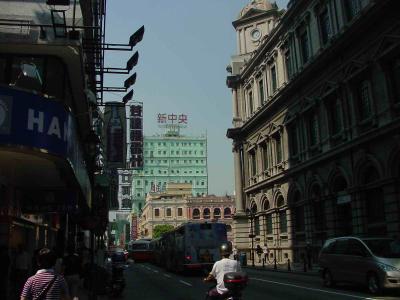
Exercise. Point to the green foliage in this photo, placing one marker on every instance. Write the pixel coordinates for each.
(160, 229)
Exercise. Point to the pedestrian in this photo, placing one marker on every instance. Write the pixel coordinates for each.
(266, 253)
(46, 283)
(5, 261)
(235, 253)
(22, 267)
(72, 271)
(259, 251)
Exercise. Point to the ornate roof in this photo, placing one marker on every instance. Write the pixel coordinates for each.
(258, 5)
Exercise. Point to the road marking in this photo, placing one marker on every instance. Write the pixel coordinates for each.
(166, 275)
(148, 268)
(184, 282)
(155, 271)
(312, 289)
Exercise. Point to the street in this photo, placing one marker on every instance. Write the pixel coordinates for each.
(145, 281)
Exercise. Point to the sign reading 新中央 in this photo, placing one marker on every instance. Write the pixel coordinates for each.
(172, 118)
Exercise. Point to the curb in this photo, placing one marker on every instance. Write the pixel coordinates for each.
(312, 273)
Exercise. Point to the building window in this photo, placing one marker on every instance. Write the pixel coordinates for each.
(156, 212)
(299, 218)
(217, 213)
(257, 225)
(227, 213)
(274, 82)
(126, 190)
(180, 212)
(313, 129)
(363, 95)
(288, 64)
(261, 90)
(252, 163)
(282, 221)
(196, 214)
(293, 140)
(269, 224)
(324, 26)
(335, 113)
(126, 203)
(206, 213)
(265, 156)
(304, 44)
(278, 149)
(395, 79)
(169, 214)
(250, 102)
(352, 8)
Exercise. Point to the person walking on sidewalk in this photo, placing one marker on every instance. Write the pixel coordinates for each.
(72, 271)
(266, 253)
(45, 284)
(259, 252)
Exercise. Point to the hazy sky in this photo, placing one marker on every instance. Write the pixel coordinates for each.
(182, 68)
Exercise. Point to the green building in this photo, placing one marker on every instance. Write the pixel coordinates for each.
(170, 157)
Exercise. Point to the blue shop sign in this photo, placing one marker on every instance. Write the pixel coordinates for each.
(36, 122)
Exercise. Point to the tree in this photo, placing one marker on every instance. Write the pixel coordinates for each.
(160, 229)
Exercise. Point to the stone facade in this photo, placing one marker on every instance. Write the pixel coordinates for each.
(316, 110)
(177, 205)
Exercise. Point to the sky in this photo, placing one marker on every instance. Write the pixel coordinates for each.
(183, 57)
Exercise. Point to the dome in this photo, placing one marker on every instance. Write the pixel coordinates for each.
(257, 4)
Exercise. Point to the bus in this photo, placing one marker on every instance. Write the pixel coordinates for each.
(191, 246)
(139, 250)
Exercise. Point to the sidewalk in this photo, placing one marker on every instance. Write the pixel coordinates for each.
(294, 267)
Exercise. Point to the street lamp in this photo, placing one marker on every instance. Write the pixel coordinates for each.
(251, 215)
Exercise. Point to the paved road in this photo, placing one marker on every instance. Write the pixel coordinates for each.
(148, 282)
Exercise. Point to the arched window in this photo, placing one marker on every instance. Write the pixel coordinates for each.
(299, 223)
(318, 208)
(266, 205)
(254, 208)
(227, 213)
(196, 213)
(374, 203)
(206, 213)
(217, 213)
(280, 202)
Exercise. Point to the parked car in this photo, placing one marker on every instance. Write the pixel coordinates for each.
(374, 262)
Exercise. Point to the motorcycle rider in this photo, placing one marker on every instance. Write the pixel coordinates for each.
(225, 265)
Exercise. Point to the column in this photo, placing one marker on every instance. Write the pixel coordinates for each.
(238, 177)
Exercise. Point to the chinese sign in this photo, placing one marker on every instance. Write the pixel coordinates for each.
(172, 119)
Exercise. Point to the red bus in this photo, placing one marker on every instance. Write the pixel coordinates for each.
(140, 251)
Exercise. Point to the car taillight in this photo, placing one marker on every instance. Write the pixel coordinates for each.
(188, 257)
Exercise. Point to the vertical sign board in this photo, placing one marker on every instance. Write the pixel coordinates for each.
(136, 136)
(134, 221)
(115, 134)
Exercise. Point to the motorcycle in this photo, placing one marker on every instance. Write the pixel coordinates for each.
(117, 282)
(235, 282)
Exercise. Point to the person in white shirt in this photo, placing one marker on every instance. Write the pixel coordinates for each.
(220, 268)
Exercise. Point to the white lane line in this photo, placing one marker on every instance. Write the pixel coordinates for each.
(312, 289)
(155, 271)
(148, 268)
(166, 275)
(184, 282)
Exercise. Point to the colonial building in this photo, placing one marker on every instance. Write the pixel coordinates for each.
(316, 107)
(176, 205)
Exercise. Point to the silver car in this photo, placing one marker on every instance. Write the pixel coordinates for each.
(371, 261)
